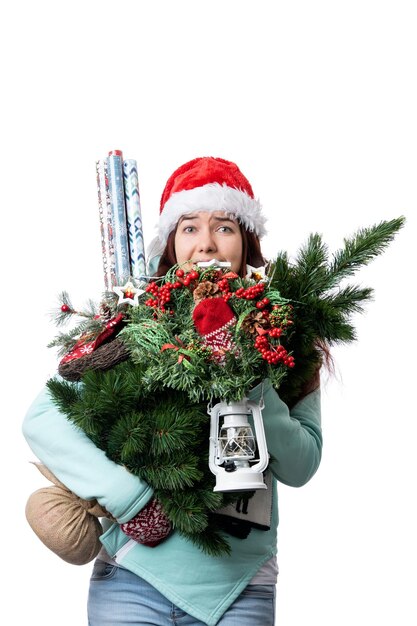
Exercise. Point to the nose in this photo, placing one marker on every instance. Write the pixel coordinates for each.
(206, 242)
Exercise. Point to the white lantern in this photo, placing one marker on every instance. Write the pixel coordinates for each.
(233, 446)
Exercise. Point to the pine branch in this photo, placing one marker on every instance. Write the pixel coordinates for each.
(173, 474)
(129, 437)
(64, 394)
(310, 266)
(211, 500)
(185, 511)
(279, 269)
(330, 324)
(116, 391)
(211, 541)
(362, 248)
(67, 340)
(87, 416)
(145, 339)
(177, 429)
(350, 299)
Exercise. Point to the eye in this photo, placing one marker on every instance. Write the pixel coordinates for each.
(225, 229)
(188, 229)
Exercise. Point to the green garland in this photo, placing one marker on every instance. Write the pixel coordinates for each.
(149, 412)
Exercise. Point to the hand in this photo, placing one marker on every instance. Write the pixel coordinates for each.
(150, 526)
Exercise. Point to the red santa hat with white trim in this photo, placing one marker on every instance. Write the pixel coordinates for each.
(207, 184)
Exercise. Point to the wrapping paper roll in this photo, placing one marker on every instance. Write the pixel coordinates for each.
(106, 225)
(118, 211)
(134, 219)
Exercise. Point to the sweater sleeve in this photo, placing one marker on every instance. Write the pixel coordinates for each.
(82, 467)
(293, 436)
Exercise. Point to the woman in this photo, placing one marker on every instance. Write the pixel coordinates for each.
(208, 211)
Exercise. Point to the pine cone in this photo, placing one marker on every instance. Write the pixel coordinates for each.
(253, 321)
(205, 289)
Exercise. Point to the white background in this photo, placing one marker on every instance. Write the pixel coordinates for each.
(316, 101)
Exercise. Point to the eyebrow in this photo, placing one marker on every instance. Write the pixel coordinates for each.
(215, 217)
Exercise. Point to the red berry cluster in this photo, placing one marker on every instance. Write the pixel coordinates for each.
(251, 292)
(161, 296)
(261, 304)
(273, 354)
(224, 287)
(187, 278)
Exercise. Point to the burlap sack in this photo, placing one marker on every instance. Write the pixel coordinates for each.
(66, 524)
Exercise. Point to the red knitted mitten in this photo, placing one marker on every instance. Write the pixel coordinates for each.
(213, 319)
(150, 526)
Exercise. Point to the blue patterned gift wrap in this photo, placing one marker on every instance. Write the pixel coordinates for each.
(118, 211)
(134, 219)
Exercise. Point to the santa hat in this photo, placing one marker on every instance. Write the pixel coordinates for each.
(208, 184)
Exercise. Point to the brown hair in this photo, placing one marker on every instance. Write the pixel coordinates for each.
(251, 252)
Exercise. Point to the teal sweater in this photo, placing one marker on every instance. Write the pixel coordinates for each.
(202, 585)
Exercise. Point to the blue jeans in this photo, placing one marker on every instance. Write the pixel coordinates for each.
(119, 598)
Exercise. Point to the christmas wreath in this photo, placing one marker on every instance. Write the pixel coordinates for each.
(137, 379)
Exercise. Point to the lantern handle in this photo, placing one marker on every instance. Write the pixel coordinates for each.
(261, 400)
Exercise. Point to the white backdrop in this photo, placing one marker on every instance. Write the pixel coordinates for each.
(316, 102)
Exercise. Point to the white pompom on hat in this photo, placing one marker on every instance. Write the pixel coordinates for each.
(208, 184)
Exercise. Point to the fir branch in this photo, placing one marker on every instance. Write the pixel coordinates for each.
(64, 394)
(67, 341)
(87, 415)
(165, 472)
(90, 309)
(362, 248)
(176, 429)
(88, 329)
(212, 500)
(145, 339)
(129, 437)
(310, 266)
(350, 299)
(330, 324)
(109, 299)
(186, 511)
(63, 314)
(116, 391)
(66, 311)
(211, 541)
(279, 270)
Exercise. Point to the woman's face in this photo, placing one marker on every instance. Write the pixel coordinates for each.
(203, 235)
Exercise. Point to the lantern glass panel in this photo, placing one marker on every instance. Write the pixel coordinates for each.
(237, 443)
